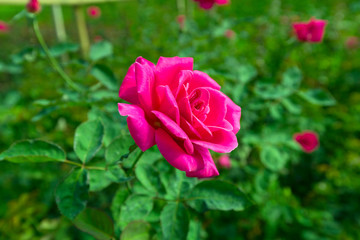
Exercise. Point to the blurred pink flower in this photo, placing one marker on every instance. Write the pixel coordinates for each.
(94, 12)
(4, 27)
(33, 6)
(352, 42)
(182, 111)
(181, 21)
(312, 31)
(98, 38)
(224, 161)
(208, 4)
(230, 34)
(308, 140)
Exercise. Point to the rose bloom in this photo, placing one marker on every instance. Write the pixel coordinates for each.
(182, 111)
(4, 27)
(224, 161)
(352, 42)
(312, 31)
(308, 140)
(208, 4)
(33, 6)
(94, 11)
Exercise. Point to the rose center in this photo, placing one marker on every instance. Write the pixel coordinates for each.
(199, 102)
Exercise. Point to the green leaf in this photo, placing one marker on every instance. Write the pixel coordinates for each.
(117, 150)
(88, 139)
(149, 177)
(272, 158)
(101, 50)
(118, 200)
(292, 78)
(270, 91)
(136, 207)
(246, 73)
(63, 48)
(218, 195)
(179, 185)
(318, 97)
(96, 223)
(33, 151)
(100, 179)
(174, 221)
(72, 194)
(194, 230)
(136, 230)
(104, 75)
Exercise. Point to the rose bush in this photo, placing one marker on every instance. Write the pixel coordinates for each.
(182, 111)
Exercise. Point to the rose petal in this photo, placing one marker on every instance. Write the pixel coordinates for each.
(222, 2)
(201, 79)
(175, 155)
(189, 129)
(221, 141)
(167, 103)
(141, 131)
(217, 106)
(233, 114)
(209, 169)
(128, 88)
(144, 74)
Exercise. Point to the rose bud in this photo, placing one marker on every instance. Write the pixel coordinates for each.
(182, 111)
(352, 42)
(308, 140)
(94, 12)
(230, 34)
(224, 161)
(181, 21)
(4, 27)
(33, 6)
(208, 4)
(312, 31)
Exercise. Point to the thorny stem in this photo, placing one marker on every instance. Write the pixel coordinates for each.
(52, 60)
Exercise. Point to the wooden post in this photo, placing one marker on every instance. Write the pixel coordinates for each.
(59, 23)
(82, 29)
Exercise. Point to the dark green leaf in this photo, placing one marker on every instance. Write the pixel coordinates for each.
(33, 151)
(88, 139)
(318, 97)
(136, 230)
(100, 179)
(218, 195)
(72, 194)
(174, 221)
(104, 75)
(117, 150)
(272, 158)
(96, 223)
(136, 207)
(101, 50)
(149, 177)
(63, 48)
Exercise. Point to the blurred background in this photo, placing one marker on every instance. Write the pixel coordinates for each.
(249, 48)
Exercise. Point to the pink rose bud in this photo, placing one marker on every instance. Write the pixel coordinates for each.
(208, 4)
(4, 27)
(182, 111)
(224, 161)
(94, 12)
(308, 140)
(230, 34)
(33, 6)
(352, 42)
(181, 21)
(312, 31)
(98, 38)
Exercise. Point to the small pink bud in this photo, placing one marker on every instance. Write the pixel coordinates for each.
(224, 161)
(352, 42)
(4, 27)
(98, 38)
(33, 6)
(230, 34)
(308, 140)
(312, 31)
(181, 21)
(208, 4)
(94, 12)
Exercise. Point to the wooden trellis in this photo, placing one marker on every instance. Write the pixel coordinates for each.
(59, 20)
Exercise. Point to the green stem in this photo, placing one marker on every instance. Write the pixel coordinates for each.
(136, 161)
(52, 60)
(83, 166)
(73, 163)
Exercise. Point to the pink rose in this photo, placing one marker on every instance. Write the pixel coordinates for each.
(230, 34)
(224, 161)
(94, 12)
(181, 21)
(180, 110)
(308, 140)
(208, 4)
(312, 31)
(33, 6)
(4, 27)
(352, 42)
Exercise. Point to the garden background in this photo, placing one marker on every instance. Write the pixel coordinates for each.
(282, 85)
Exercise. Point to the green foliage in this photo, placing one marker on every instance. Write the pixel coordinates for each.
(174, 221)
(101, 50)
(136, 230)
(318, 97)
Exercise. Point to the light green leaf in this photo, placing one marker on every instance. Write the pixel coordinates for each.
(117, 150)
(318, 97)
(100, 179)
(272, 158)
(179, 185)
(174, 221)
(270, 91)
(33, 151)
(88, 139)
(63, 48)
(104, 75)
(136, 230)
(72, 194)
(96, 223)
(136, 207)
(246, 73)
(149, 177)
(292, 78)
(101, 50)
(218, 195)
(194, 230)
